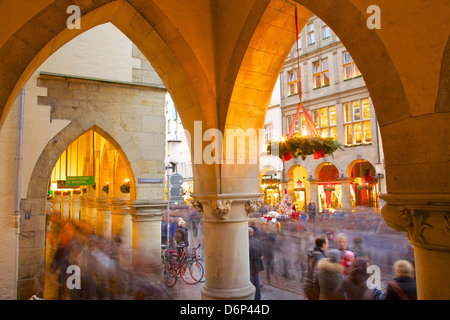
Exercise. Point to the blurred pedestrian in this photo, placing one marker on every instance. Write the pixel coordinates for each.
(181, 235)
(311, 283)
(268, 242)
(347, 260)
(354, 285)
(358, 248)
(311, 211)
(330, 275)
(195, 220)
(164, 230)
(342, 242)
(403, 286)
(256, 262)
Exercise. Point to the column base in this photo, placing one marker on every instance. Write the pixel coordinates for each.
(245, 293)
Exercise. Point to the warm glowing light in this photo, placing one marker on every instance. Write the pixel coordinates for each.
(304, 133)
(54, 186)
(127, 180)
(283, 139)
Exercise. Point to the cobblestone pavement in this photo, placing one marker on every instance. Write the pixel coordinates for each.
(384, 245)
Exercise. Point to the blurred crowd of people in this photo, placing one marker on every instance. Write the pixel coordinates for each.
(325, 265)
(104, 272)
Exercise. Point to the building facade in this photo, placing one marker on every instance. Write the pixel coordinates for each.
(94, 108)
(334, 93)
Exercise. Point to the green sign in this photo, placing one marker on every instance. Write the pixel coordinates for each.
(80, 181)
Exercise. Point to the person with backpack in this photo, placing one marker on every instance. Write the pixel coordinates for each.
(311, 283)
(403, 286)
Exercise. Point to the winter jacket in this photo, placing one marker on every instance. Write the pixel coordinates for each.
(181, 236)
(407, 286)
(256, 254)
(330, 275)
(311, 284)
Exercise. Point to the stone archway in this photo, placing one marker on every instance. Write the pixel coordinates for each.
(218, 62)
(34, 227)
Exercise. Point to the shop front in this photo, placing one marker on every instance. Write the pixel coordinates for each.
(270, 187)
(298, 187)
(364, 185)
(329, 188)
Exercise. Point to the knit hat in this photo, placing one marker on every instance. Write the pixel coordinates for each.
(334, 255)
(348, 254)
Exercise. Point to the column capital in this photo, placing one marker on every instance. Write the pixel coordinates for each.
(145, 210)
(101, 203)
(118, 206)
(218, 207)
(425, 218)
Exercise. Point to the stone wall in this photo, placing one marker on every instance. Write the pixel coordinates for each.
(131, 116)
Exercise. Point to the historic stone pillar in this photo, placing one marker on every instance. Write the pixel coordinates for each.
(75, 208)
(91, 211)
(425, 218)
(346, 196)
(103, 217)
(65, 207)
(83, 209)
(227, 269)
(56, 201)
(121, 227)
(146, 235)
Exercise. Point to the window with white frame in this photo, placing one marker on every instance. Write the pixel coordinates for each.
(325, 31)
(299, 42)
(321, 74)
(311, 35)
(293, 84)
(350, 69)
(325, 121)
(267, 136)
(357, 122)
(289, 120)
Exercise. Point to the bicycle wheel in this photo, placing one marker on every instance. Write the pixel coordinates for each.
(170, 276)
(191, 272)
(196, 270)
(185, 274)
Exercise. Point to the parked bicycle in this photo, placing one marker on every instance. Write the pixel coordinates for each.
(183, 264)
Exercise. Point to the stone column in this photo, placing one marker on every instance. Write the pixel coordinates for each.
(227, 268)
(75, 208)
(103, 217)
(83, 209)
(56, 208)
(121, 227)
(346, 196)
(146, 235)
(425, 218)
(91, 212)
(65, 207)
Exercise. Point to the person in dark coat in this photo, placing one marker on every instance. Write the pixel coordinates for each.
(403, 286)
(311, 283)
(354, 285)
(181, 235)
(311, 211)
(256, 262)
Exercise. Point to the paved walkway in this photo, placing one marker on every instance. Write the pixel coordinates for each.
(183, 291)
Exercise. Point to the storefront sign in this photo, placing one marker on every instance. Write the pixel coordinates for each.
(150, 180)
(80, 181)
(364, 187)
